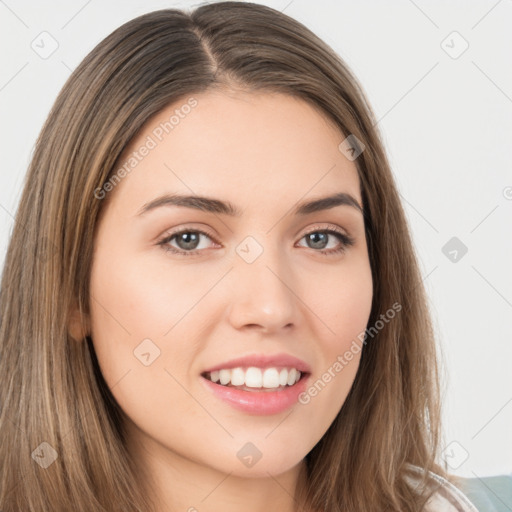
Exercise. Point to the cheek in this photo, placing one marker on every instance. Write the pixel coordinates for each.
(129, 315)
(144, 318)
(132, 299)
(132, 309)
(341, 298)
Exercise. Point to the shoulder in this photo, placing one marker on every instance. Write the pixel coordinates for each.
(446, 497)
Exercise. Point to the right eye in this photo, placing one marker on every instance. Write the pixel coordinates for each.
(188, 241)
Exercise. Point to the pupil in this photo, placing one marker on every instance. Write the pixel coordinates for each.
(187, 237)
(314, 237)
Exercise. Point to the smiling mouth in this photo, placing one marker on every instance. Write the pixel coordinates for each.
(255, 379)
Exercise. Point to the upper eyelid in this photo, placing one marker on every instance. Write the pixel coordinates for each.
(328, 227)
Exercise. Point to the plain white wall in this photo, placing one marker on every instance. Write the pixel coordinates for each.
(445, 112)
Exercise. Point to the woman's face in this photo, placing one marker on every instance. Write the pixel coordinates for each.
(270, 281)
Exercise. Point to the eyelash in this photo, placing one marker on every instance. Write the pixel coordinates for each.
(345, 241)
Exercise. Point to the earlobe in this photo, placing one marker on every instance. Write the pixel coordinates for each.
(78, 327)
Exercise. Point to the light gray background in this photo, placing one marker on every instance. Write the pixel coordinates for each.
(447, 124)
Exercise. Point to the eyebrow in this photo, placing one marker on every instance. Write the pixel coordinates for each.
(211, 205)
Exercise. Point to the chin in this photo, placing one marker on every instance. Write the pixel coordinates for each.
(249, 462)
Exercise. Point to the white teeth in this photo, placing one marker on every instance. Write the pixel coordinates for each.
(225, 376)
(237, 377)
(253, 377)
(291, 376)
(271, 378)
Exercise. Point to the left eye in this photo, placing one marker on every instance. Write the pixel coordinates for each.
(319, 239)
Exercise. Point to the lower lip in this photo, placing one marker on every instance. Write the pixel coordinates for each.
(258, 402)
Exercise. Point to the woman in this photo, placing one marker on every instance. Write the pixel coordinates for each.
(210, 299)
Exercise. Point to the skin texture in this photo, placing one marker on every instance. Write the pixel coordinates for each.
(264, 153)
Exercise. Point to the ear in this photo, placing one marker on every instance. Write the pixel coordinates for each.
(78, 326)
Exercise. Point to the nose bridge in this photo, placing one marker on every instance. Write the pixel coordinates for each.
(263, 286)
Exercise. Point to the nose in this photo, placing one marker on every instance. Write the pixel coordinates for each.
(262, 294)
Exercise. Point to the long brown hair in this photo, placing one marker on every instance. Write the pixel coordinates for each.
(52, 393)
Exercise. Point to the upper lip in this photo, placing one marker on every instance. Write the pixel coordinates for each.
(263, 361)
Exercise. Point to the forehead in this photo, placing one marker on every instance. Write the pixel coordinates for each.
(247, 147)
